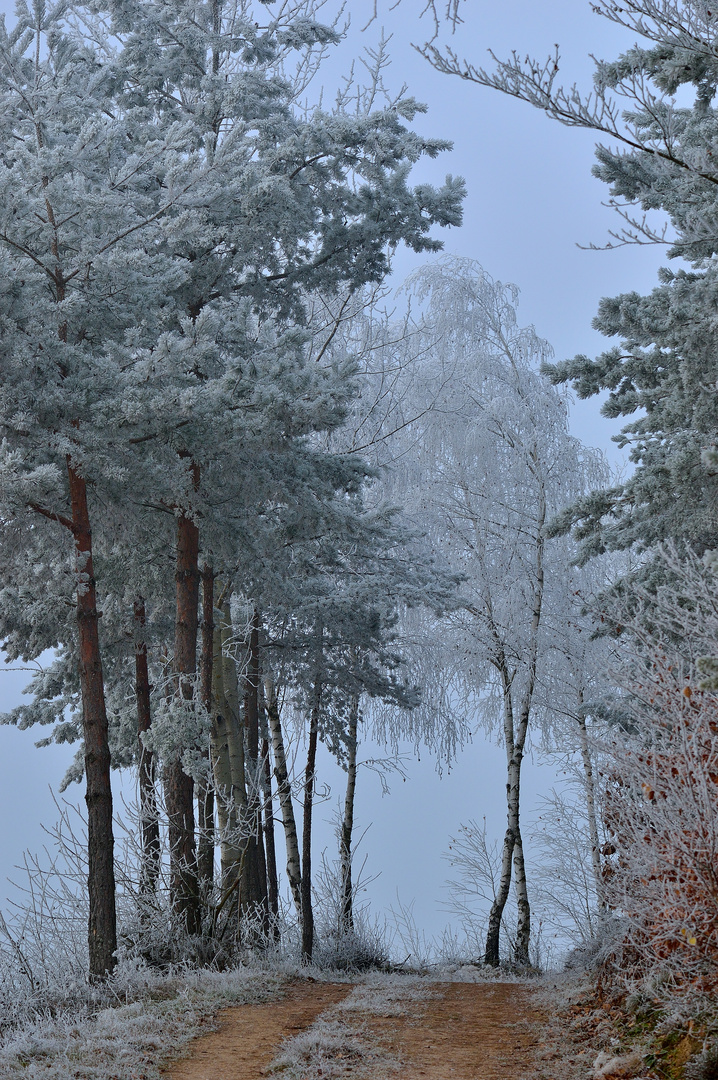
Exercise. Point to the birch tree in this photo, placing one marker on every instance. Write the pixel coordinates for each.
(491, 461)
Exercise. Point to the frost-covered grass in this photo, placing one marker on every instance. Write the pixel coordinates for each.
(387, 995)
(131, 1041)
(331, 1050)
(340, 1046)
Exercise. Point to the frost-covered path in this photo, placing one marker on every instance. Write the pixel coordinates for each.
(400, 1028)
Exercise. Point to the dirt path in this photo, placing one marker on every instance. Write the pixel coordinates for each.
(250, 1034)
(467, 1031)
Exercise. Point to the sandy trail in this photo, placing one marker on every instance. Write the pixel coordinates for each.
(468, 1031)
(249, 1035)
(473, 1031)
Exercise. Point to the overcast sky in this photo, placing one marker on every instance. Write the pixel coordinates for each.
(531, 201)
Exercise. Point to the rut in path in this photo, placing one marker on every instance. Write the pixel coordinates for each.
(468, 1031)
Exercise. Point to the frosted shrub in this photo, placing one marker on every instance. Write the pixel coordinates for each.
(358, 943)
(661, 811)
(359, 948)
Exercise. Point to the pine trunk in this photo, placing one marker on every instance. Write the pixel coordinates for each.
(306, 884)
(149, 815)
(284, 791)
(345, 853)
(102, 921)
(205, 794)
(179, 787)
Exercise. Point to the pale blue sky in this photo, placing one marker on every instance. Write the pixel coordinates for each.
(531, 200)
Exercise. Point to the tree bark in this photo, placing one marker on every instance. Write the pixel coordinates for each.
(234, 860)
(309, 777)
(345, 852)
(149, 815)
(205, 794)
(179, 787)
(102, 921)
(523, 930)
(220, 735)
(272, 879)
(515, 740)
(284, 791)
(256, 859)
(493, 934)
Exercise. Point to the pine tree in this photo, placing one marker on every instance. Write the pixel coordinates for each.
(659, 157)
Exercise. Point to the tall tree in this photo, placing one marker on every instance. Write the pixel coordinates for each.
(74, 221)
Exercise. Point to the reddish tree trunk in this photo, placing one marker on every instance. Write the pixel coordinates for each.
(179, 787)
(102, 922)
(149, 818)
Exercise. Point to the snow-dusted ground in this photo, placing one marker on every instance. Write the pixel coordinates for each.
(131, 1040)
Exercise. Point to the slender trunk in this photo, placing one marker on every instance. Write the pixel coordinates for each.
(345, 853)
(590, 790)
(205, 794)
(179, 787)
(102, 921)
(523, 930)
(102, 916)
(149, 816)
(272, 879)
(493, 933)
(284, 791)
(205, 840)
(306, 885)
(222, 770)
(256, 859)
(236, 851)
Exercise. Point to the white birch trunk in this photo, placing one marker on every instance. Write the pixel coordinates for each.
(284, 791)
(345, 853)
(515, 734)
